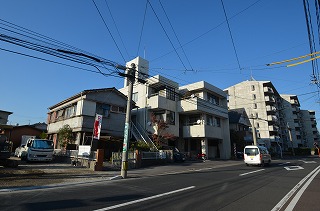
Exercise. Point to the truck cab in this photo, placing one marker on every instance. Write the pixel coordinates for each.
(37, 150)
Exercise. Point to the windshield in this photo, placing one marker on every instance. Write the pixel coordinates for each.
(251, 151)
(42, 144)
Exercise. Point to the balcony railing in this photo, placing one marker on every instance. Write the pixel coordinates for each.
(200, 105)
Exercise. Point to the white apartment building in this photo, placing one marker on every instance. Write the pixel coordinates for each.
(79, 113)
(277, 118)
(196, 114)
(309, 124)
(292, 118)
(262, 103)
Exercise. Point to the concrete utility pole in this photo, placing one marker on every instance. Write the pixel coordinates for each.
(290, 136)
(254, 133)
(131, 76)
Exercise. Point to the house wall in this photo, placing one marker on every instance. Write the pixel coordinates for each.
(82, 121)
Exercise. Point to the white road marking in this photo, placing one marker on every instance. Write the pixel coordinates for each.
(305, 161)
(293, 190)
(300, 192)
(251, 172)
(293, 168)
(145, 199)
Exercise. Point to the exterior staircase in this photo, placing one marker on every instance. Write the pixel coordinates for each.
(140, 134)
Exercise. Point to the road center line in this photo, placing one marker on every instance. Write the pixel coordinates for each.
(251, 172)
(300, 192)
(293, 190)
(145, 199)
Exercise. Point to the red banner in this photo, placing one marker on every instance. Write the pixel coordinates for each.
(97, 126)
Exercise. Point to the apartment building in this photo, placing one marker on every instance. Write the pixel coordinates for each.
(262, 103)
(309, 125)
(292, 119)
(79, 113)
(196, 114)
(204, 120)
(279, 121)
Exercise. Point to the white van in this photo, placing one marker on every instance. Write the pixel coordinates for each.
(256, 155)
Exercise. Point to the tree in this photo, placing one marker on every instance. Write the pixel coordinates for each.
(43, 135)
(65, 136)
(160, 136)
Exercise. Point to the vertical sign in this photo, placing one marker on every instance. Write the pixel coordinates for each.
(97, 126)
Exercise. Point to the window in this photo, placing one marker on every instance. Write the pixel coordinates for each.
(210, 120)
(255, 106)
(53, 116)
(193, 120)
(213, 99)
(252, 88)
(70, 111)
(103, 109)
(59, 114)
(170, 93)
(170, 117)
(117, 109)
(135, 97)
(159, 115)
(218, 122)
(254, 97)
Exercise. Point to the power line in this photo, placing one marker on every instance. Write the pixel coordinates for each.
(109, 31)
(210, 30)
(176, 36)
(234, 47)
(55, 62)
(167, 35)
(117, 29)
(144, 18)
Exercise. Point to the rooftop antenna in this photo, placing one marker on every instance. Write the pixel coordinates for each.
(251, 77)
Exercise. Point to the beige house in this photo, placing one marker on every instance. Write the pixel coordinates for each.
(79, 113)
(196, 114)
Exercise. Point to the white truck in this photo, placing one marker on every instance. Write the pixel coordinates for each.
(24, 139)
(36, 150)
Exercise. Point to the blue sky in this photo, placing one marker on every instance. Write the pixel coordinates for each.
(263, 31)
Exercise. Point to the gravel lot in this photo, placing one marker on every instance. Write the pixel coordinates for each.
(37, 174)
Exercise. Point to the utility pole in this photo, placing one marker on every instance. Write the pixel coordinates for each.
(290, 137)
(254, 135)
(131, 76)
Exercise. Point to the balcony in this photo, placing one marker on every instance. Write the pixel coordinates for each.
(271, 108)
(199, 105)
(272, 118)
(269, 99)
(268, 90)
(294, 102)
(198, 131)
(273, 128)
(162, 103)
(274, 138)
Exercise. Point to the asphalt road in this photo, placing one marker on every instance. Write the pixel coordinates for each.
(199, 186)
